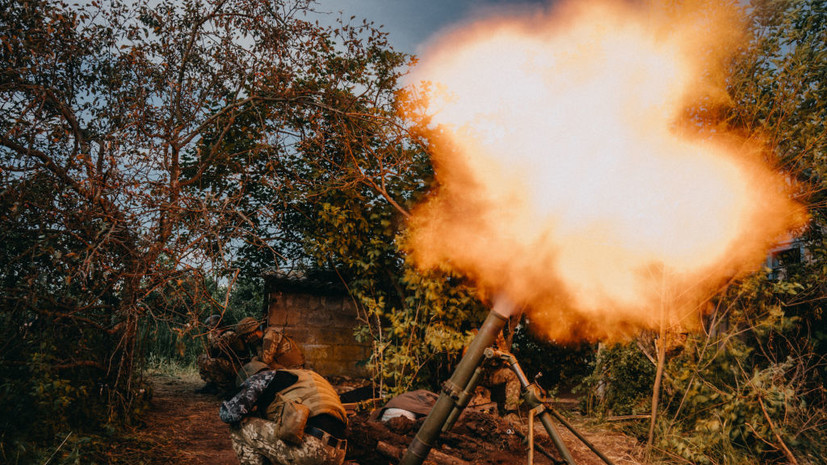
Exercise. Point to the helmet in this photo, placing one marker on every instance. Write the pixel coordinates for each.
(212, 321)
(250, 369)
(246, 326)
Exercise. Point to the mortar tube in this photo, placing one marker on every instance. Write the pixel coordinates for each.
(421, 445)
(463, 400)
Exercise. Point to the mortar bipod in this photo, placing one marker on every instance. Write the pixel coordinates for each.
(535, 397)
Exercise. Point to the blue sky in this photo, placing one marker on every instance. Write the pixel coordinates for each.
(411, 23)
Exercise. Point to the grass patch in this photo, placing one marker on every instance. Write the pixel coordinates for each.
(171, 367)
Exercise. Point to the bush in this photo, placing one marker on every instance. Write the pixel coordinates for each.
(45, 396)
(621, 381)
(178, 339)
(749, 388)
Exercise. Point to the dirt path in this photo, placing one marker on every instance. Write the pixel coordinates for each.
(182, 427)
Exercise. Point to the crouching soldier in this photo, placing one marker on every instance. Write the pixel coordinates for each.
(285, 416)
(502, 383)
(217, 366)
(269, 345)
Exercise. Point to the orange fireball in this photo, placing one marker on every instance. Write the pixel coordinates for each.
(570, 179)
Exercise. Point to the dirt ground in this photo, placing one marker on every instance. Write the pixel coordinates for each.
(182, 427)
(485, 438)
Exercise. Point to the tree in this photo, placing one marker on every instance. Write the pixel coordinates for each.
(147, 146)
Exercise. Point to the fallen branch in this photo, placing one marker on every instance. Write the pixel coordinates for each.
(787, 452)
(58, 448)
(645, 416)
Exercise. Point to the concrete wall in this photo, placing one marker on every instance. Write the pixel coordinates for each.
(323, 326)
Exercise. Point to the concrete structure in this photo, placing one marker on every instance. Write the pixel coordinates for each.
(790, 252)
(321, 317)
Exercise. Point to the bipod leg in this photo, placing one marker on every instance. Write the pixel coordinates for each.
(539, 448)
(530, 438)
(577, 434)
(534, 396)
(531, 414)
(545, 419)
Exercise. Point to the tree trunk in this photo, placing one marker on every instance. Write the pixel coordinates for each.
(661, 344)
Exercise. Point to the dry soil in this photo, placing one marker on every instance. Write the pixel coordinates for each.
(182, 427)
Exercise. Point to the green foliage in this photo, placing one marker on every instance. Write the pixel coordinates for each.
(46, 397)
(145, 149)
(416, 322)
(621, 381)
(749, 388)
(428, 329)
(561, 366)
(178, 339)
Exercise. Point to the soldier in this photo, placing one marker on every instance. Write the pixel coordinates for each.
(502, 382)
(249, 332)
(270, 346)
(286, 417)
(500, 378)
(218, 365)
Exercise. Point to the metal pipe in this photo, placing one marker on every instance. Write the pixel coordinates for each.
(515, 367)
(545, 418)
(537, 447)
(531, 414)
(463, 400)
(452, 389)
(534, 397)
(579, 436)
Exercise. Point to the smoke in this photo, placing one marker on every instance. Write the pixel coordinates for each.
(571, 176)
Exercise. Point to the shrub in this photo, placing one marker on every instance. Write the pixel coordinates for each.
(621, 381)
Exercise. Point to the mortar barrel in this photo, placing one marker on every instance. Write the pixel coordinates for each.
(447, 402)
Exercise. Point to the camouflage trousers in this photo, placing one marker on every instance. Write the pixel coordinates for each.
(255, 442)
(503, 379)
(216, 370)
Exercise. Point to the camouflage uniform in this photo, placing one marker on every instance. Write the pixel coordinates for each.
(256, 439)
(505, 379)
(279, 351)
(499, 377)
(216, 370)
